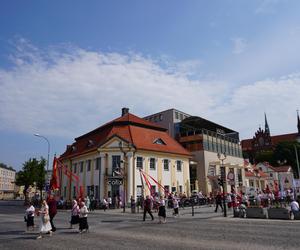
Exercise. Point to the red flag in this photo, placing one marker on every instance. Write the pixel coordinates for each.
(54, 182)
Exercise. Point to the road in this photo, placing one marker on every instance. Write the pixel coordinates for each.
(114, 230)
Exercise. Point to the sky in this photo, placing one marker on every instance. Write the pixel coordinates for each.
(67, 67)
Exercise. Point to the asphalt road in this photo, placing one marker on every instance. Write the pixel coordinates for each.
(115, 230)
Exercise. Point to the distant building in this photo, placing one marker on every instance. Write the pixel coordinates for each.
(169, 119)
(205, 139)
(7, 182)
(263, 176)
(110, 157)
(262, 141)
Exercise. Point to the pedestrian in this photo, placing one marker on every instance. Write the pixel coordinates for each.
(162, 210)
(175, 206)
(74, 214)
(87, 202)
(294, 206)
(105, 204)
(109, 200)
(147, 208)
(52, 210)
(219, 202)
(45, 225)
(83, 224)
(132, 204)
(29, 216)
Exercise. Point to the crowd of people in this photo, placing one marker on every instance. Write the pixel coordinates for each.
(47, 212)
(157, 203)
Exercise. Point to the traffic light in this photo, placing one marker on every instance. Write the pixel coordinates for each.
(220, 182)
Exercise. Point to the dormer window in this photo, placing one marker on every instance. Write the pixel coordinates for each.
(159, 141)
(73, 148)
(90, 143)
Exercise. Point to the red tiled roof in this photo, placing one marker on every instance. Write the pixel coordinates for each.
(287, 137)
(131, 128)
(251, 174)
(277, 169)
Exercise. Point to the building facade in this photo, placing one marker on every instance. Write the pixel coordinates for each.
(109, 160)
(205, 139)
(169, 119)
(7, 182)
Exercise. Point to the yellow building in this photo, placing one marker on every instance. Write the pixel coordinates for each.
(108, 160)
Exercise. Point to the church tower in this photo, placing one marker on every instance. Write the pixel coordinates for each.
(267, 129)
(298, 122)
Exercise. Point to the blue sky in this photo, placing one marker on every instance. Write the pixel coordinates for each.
(69, 66)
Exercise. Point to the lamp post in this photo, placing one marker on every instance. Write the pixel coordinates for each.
(222, 158)
(296, 153)
(125, 162)
(41, 136)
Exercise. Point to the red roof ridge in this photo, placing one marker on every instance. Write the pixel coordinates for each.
(130, 118)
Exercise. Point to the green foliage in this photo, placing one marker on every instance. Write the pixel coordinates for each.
(285, 151)
(33, 172)
(265, 156)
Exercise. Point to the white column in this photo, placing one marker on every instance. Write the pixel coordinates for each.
(102, 173)
(129, 175)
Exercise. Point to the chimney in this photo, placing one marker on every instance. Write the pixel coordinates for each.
(125, 111)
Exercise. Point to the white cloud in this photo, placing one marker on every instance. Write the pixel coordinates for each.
(68, 91)
(279, 98)
(239, 45)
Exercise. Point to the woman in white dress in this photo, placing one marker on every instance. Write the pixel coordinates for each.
(45, 226)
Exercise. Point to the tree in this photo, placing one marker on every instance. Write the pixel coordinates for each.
(264, 156)
(285, 151)
(33, 172)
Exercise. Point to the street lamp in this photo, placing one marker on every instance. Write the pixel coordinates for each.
(296, 153)
(38, 135)
(222, 158)
(124, 170)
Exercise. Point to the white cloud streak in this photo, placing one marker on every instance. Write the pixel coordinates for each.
(68, 91)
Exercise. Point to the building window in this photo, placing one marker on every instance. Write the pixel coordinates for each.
(176, 115)
(88, 188)
(211, 170)
(173, 189)
(88, 165)
(75, 168)
(181, 117)
(153, 189)
(152, 163)
(116, 160)
(97, 192)
(180, 189)
(74, 192)
(160, 117)
(240, 177)
(139, 191)
(167, 189)
(139, 162)
(159, 141)
(81, 166)
(98, 163)
(166, 164)
(223, 173)
(179, 166)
